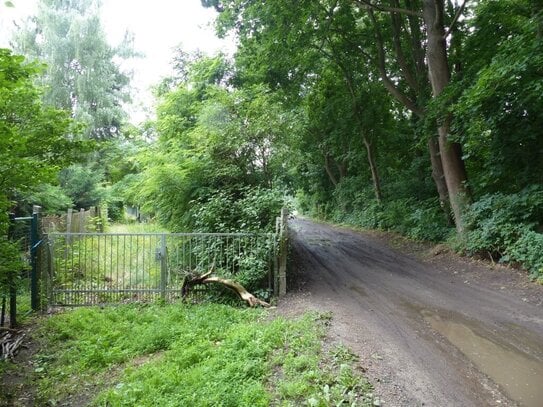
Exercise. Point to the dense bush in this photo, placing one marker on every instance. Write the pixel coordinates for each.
(245, 210)
(50, 197)
(496, 221)
(528, 251)
(83, 185)
(505, 227)
(420, 220)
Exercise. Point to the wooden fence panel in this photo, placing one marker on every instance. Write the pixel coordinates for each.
(73, 221)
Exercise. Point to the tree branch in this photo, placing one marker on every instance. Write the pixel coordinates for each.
(389, 85)
(416, 43)
(367, 4)
(207, 278)
(455, 19)
(396, 33)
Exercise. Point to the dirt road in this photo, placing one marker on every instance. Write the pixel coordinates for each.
(426, 334)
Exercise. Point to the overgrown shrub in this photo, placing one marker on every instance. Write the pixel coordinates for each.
(243, 210)
(247, 210)
(505, 227)
(528, 251)
(420, 220)
(496, 221)
(427, 221)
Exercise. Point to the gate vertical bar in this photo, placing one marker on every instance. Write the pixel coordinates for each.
(163, 266)
(276, 251)
(50, 270)
(283, 247)
(34, 244)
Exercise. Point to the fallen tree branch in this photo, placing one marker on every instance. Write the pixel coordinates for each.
(2, 328)
(207, 278)
(10, 342)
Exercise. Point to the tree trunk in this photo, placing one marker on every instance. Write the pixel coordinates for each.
(342, 169)
(417, 87)
(439, 74)
(439, 178)
(373, 168)
(331, 175)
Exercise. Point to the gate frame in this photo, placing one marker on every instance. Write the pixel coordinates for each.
(35, 242)
(273, 241)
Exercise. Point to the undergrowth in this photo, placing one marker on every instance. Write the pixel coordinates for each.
(198, 355)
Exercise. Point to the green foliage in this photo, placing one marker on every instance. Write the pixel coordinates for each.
(499, 110)
(218, 154)
(51, 198)
(426, 221)
(83, 185)
(34, 144)
(318, 56)
(249, 210)
(505, 227)
(415, 219)
(528, 251)
(191, 355)
(244, 210)
(82, 75)
(496, 221)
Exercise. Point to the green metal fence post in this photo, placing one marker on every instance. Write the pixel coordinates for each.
(283, 250)
(34, 245)
(12, 283)
(163, 266)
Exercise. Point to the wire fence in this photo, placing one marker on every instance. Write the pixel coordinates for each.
(104, 268)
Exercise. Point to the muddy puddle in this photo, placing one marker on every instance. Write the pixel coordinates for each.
(519, 375)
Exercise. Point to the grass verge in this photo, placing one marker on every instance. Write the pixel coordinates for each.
(198, 355)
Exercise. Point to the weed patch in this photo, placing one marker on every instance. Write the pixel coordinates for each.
(199, 355)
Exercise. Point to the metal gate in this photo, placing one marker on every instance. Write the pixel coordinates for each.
(105, 268)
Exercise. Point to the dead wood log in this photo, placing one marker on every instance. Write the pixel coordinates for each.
(207, 278)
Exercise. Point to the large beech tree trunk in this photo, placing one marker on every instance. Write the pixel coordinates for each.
(438, 71)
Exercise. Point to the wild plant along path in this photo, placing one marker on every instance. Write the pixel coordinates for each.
(426, 334)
